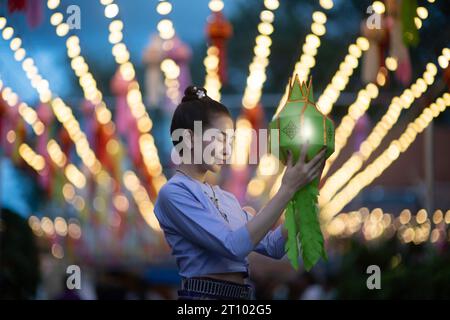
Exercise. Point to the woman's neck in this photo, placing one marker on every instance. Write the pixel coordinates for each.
(193, 171)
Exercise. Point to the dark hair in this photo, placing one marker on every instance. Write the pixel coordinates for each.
(196, 105)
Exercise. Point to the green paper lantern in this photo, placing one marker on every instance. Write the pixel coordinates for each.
(299, 121)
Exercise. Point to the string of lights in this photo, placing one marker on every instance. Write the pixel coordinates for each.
(62, 112)
(337, 85)
(382, 162)
(398, 103)
(340, 79)
(309, 48)
(212, 79)
(255, 82)
(86, 79)
(169, 67)
(145, 205)
(257, 68)
(36, 161)
(76, 177)
(134, 96)
(267, 166)
(355, 111)
(27, 113)
(59, 226)
(211, 61)
(377, 224)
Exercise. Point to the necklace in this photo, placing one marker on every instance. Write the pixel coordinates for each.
(214, 199)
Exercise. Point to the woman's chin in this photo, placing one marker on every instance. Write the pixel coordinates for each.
(215, 167)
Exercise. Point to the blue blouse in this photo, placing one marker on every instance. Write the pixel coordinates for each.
(202, 241)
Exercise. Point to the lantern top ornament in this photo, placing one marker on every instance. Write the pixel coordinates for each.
(300, 91)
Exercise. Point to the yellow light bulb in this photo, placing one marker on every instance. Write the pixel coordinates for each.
(111, 10)
(164, 8)
(53, 4)
(7, 33)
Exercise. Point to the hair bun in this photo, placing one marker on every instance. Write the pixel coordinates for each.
(194, 93)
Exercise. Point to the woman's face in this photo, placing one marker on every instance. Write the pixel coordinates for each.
(217, 143)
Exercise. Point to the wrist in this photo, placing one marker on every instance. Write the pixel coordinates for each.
(286, 192)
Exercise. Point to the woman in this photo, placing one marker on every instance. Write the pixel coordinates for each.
(209, 233)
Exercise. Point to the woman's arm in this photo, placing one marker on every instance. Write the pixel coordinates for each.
(295, 177)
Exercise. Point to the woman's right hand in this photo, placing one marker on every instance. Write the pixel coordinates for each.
(300, 174)
(295, 177)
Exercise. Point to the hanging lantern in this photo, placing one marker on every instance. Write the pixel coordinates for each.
(119, 87)
(256, 117)
(3, 121)
(374, 57)
(46, 115)
(397, 48)
(33, 10)
(219, 30)
(13, 132)
(34, 13)
(154, 78)
(409, 28)
(125, 122)
(16, 5)
(65, 142)
(362, 130)
(300, 121)
(181, 54)
(89, 123)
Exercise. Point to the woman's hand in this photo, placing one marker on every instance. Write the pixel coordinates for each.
(295, 177)
(300, 174)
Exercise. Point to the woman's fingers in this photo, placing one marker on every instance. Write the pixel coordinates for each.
(313, 175)
(316, 170)
(305, 172)
(317, 167)
(303, 152)
(289, 159)
(317, 159)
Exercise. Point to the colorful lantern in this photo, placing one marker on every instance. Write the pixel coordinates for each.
(181, 54)
(154, 78)
(219, 30)
(45, 114)
(374, 58)
(397, 48)
(125, 122)
(16, 5)
(300, 121)
(410, 32)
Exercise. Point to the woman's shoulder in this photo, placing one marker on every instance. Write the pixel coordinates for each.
(175, 186)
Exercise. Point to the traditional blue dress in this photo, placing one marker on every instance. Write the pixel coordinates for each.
(204, 239)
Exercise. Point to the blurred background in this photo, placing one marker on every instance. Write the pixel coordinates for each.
(87, 93)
